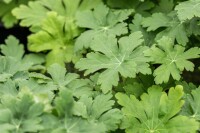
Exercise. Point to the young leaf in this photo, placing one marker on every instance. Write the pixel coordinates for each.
(127, 59)
(155, 112)
(101, 22)
(55, 36)
(173, 59)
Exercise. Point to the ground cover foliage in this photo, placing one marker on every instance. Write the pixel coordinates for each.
(101, 66)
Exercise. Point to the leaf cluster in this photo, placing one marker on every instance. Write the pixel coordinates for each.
(100, 66)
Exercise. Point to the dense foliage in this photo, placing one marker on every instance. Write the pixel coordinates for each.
(101, 66)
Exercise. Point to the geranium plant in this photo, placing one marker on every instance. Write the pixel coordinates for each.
(100, 66)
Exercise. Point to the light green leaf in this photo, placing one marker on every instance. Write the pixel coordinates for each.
(53, 38)
(33, 14)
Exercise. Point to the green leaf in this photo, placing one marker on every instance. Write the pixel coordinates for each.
(172, 59)
(102, 21)
(138, 6)
(192, 105)
(127, 59)
(30, 15)
(36, 12)
(89, 4)
(156, 21)
(78, 125)
(11, 66)
(188, 9)
(14, 60)
(53, 38)
(100, 110)
(155, 112)
(8, 88)
(136, 25)
(69, 81)
(24, 114)
(65, 106)
(164, 6)
(12, 48)
(64, 103)
(173, 28)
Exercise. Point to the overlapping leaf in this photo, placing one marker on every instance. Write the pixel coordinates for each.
(6, 7)
(57, 37)
(13, 59)
(68, 123)
(69, 81)
(155, 112)
(192, 105)
(172, 59)
(100, 110)
(127, 59)
(101, 22)
(173, 28)
(20, 114)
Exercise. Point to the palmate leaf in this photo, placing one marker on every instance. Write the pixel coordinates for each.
(6, 7)
(127, 59)
(100, 109)
(14, 61)
(69, 81)
(173, 28)
(188, 9)
(155, 112)
(101, 22)
(56, 36)
(35, 12)
(64, 105)
(12, 48)
(172, 59)
(20, 114)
